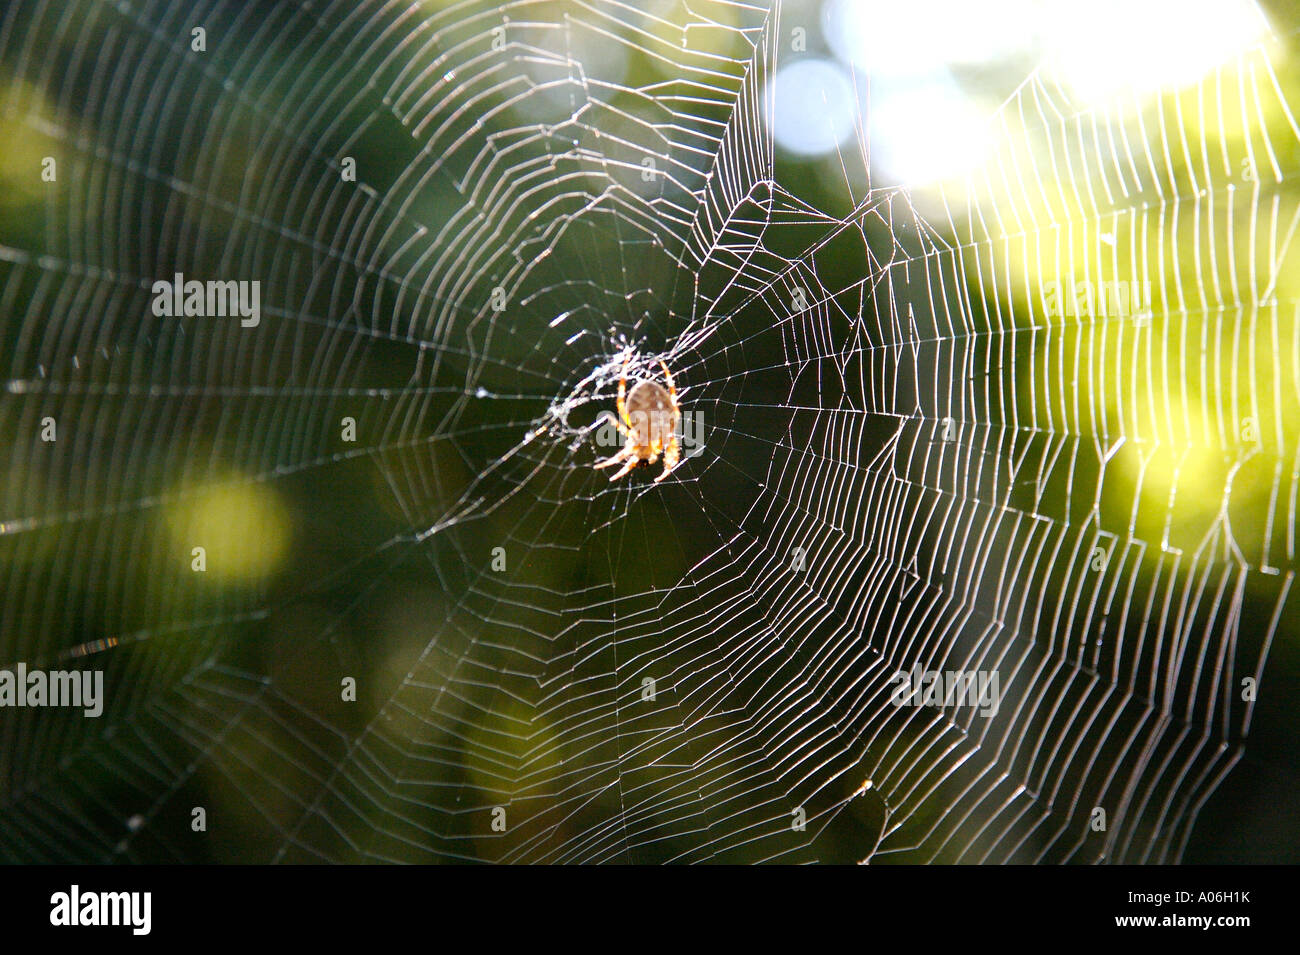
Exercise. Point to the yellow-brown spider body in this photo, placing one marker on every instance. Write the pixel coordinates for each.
(648, 417)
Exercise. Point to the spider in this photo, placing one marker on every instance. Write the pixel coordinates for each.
(648, 418)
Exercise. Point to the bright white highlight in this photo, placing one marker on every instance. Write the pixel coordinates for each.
(1113, 47)
(918, 37)
(813, 106)
(926, 132)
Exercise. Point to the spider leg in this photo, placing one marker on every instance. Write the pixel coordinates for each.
(615, 458)
(672, 453)
(622, 396)
(631, 463)
(672, 388)
(613, 419)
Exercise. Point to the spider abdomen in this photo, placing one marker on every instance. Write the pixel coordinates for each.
(650, 413)
(647, 417)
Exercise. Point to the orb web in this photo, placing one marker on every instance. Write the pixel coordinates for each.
(1037, 419)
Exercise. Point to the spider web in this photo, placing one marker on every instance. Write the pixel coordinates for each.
(907, 456)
